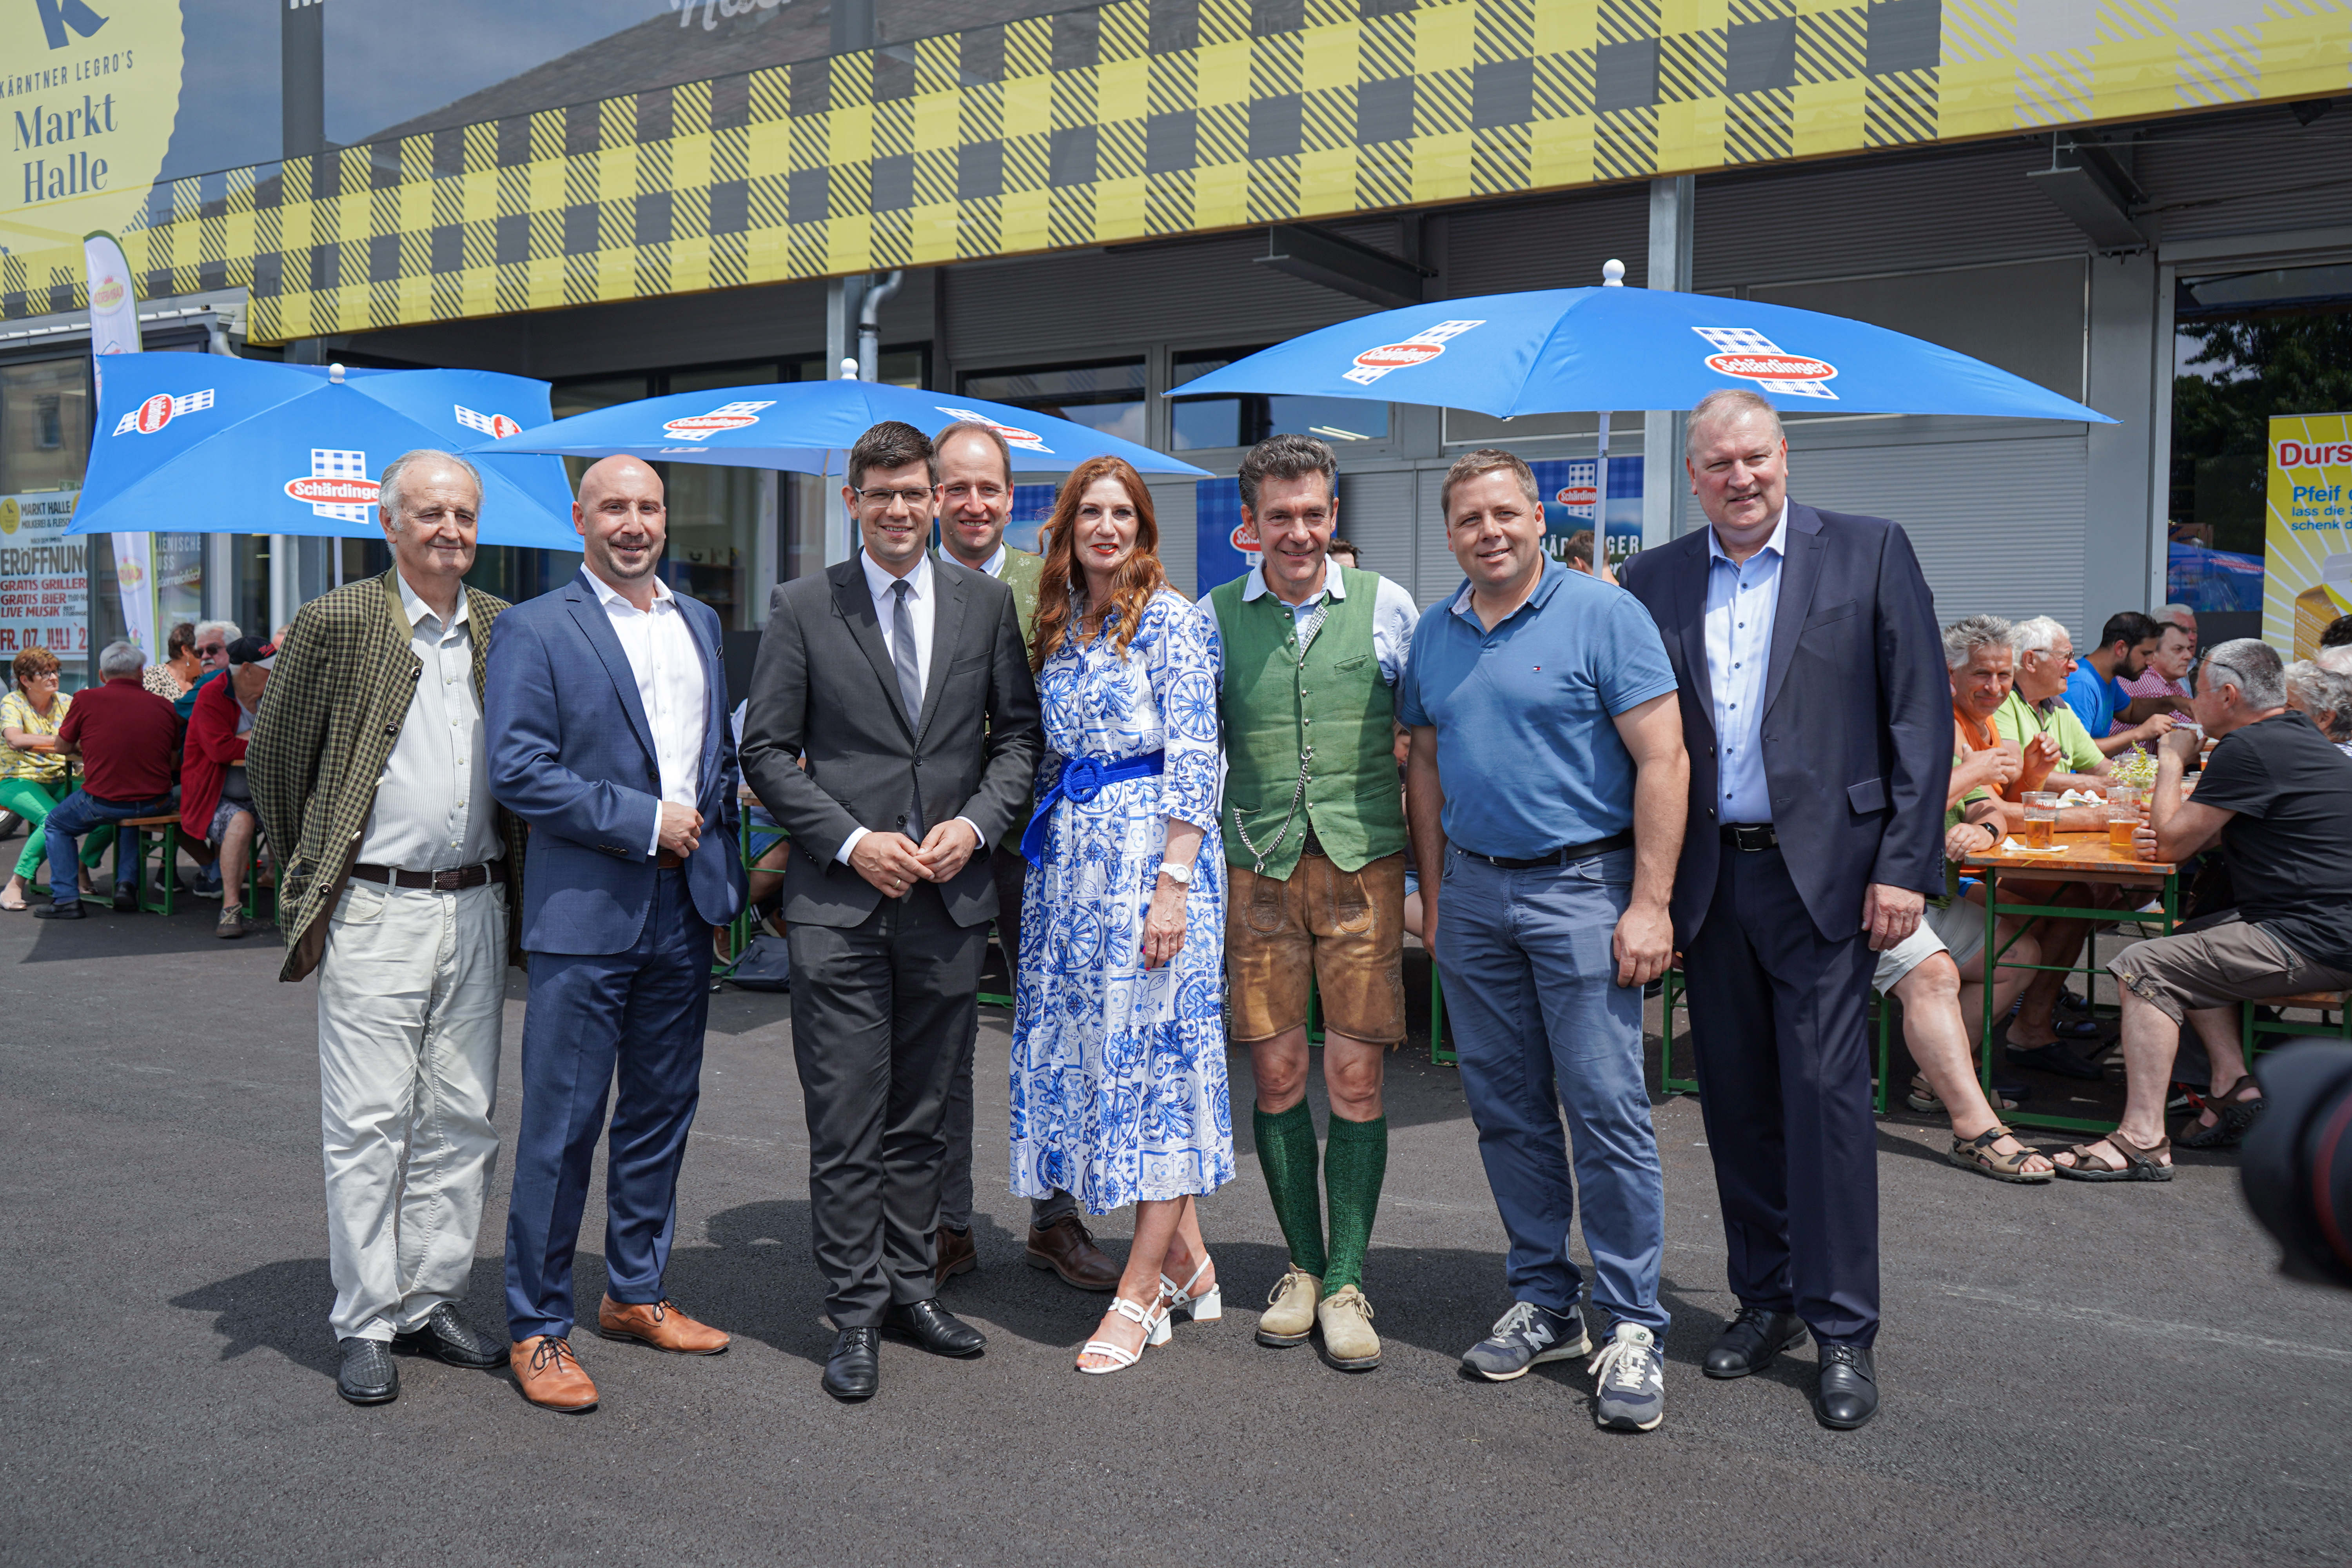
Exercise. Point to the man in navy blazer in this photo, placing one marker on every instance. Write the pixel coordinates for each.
(608, 736)
(1816, 711)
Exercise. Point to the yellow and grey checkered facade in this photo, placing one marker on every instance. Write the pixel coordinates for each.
(1159, 117)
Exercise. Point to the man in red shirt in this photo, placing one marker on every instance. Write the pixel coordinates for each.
(129, 739)
(216, 806)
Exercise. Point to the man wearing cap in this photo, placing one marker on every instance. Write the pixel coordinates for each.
(215, 801)
(975, 501)
(1316, 851)
(367, 768)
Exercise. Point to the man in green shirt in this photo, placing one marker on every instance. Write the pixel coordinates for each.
(1314, 850)
(975, 502)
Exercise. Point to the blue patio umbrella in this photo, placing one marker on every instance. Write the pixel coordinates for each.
(1559, 351)
(808, 427)
(205, 444)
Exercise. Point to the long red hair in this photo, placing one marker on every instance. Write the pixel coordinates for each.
(1139, 576)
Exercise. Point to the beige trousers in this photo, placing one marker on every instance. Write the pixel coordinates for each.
(411, 991)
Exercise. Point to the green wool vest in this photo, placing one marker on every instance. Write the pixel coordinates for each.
(1277, 706)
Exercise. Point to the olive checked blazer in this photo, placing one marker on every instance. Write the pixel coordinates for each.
(338, 694)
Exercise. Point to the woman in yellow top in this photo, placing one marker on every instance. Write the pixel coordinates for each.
(32, 776)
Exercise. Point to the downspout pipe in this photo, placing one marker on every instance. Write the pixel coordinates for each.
(869, 323)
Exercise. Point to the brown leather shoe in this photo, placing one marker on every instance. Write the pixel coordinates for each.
(1065, 1247)
(953, 1253)
(660, 1324)
(551, 1375)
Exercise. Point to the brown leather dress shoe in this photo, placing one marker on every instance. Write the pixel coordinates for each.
(551, 1374)
(660, 1324)
(953, 1253)
(1065, 1247)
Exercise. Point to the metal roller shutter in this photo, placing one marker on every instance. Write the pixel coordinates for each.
(1376, 513)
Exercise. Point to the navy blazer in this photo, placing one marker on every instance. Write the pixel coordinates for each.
(1857, 724)
(571, 753)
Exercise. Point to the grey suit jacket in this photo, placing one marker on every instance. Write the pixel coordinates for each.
(824, 689)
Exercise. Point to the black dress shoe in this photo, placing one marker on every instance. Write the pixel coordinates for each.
(126, 899)
(367, 1375)
(69, 911)
(1750, 1341)
(1848, 1395)
(450, 1338)
(854, 1369)
(933, 1327)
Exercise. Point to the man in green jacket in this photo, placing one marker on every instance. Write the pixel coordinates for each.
(1314, 842)
(975, 502)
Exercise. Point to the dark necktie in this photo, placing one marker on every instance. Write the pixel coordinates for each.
(911, 682)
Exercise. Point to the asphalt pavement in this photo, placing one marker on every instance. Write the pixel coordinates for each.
(2073, 1373)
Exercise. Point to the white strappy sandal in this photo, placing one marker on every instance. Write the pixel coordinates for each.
(1208, 1307)
(1153, 1320)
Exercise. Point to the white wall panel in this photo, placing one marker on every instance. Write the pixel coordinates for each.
(1375, 512)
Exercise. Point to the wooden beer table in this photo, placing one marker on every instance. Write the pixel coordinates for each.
(2085, 857)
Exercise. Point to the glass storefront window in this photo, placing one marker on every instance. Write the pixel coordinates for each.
(2248, 346)
(44, 576)
(1208, 422)
(1107, 396)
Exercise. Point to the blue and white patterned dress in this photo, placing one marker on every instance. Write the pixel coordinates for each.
(1109, 1108)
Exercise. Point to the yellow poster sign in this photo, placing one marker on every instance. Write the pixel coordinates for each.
(2308, 564)
(88, 93)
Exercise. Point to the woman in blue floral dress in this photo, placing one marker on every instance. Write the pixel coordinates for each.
(1119, 1046)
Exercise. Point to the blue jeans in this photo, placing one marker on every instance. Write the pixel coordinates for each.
(78, 814)
(1539, 1022)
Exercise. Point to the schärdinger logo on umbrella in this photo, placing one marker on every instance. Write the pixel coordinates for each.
(495, 424)
(160, 410)
(726, 416)
(337, 486)
(1745, 352)
(1418, 349)
(1027, 440)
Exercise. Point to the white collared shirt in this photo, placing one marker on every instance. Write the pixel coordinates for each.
(671, 687)
(1742, 601)
(923, 610)
(432, 810)
(1394, 615)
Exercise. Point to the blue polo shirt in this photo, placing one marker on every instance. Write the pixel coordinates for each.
(1527, 748)
(2095, 697)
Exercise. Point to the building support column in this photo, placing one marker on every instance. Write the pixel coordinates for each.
(1671, 202)
(2124, 504)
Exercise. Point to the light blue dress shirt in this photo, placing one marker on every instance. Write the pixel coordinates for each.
(1741, 600)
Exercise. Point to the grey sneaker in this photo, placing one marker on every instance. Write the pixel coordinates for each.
(1632, 1381)
(1523, 1337)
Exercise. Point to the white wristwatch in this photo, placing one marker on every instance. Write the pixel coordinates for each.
(1180, 875)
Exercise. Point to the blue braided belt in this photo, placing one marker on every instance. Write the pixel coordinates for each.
(1082, 779)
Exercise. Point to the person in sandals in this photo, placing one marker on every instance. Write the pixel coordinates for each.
(1315, 848)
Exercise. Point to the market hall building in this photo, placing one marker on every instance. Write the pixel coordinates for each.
(2146, 206)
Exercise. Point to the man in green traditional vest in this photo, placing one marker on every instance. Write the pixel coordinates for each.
(975, 502)
(1314, 835)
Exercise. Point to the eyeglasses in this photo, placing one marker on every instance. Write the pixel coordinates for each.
(213, 650)
(913, 498)
(48, 679)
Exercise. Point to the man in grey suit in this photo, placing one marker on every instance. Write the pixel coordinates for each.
(893, 733)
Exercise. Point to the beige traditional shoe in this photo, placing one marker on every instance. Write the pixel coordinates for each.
(1349, 1343)
(1289, 1315)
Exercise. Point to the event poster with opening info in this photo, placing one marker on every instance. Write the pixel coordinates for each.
(44, 576)
(2307, 565)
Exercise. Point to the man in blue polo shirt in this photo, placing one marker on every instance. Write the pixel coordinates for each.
(1547, 790)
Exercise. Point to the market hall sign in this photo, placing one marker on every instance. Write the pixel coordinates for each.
(90, 90)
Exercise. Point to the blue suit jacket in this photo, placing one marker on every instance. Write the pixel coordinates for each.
(571, 753)
(1857, 726)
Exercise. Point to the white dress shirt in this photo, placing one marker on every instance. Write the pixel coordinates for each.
(1394, 615)
(432, 809)
(1741, 602)
(671, 687)
(923, 610)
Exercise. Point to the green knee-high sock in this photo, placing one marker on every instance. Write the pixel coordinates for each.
(1354, 1162)
(1286, 1152)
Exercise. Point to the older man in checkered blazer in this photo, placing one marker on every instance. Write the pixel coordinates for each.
(367, 763)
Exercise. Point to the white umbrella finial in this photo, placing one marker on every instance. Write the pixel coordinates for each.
(849, 369)
(1613, 274)
(335, 374)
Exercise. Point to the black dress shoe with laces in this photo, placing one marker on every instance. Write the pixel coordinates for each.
(854, 1369)
(69, 911)
(1848, 1395)
(367, 1375)
(1750, 1341)
(450, 1338)
(933, 1327)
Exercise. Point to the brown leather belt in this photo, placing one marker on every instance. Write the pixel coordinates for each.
(437, 881)
(668, 861)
